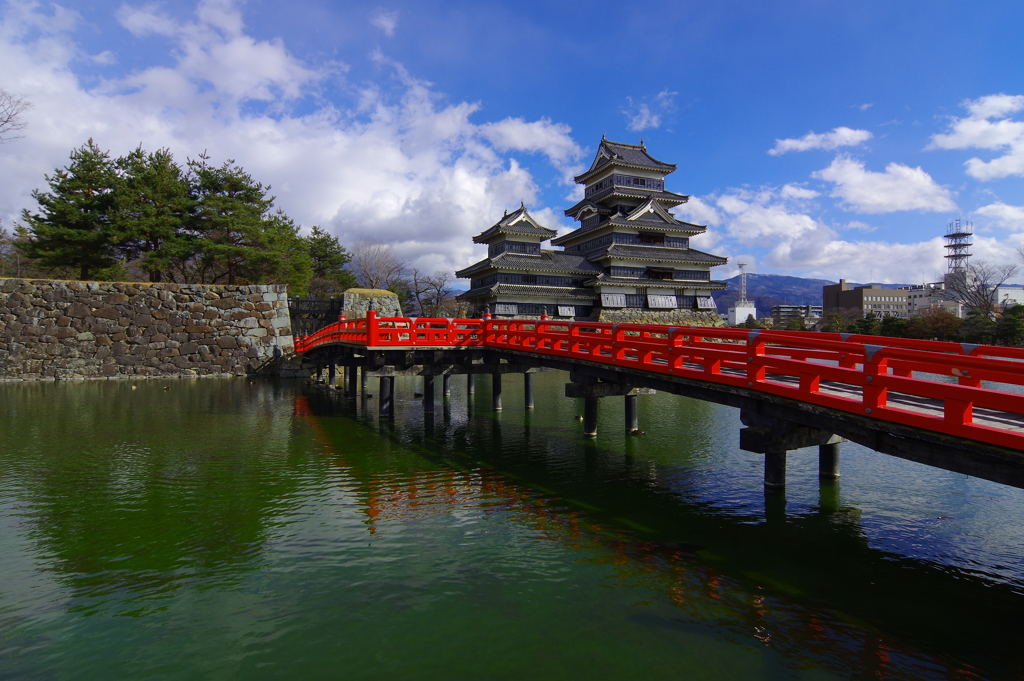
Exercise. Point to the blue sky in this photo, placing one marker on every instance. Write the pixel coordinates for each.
(819, 139)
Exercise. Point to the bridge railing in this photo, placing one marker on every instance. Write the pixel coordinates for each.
(932, 385)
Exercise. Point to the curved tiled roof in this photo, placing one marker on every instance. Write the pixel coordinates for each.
(667, 198)
(547, 261)
(659, 283)
(519, 222)
(626, 155)
(658, 253)
(571, 292)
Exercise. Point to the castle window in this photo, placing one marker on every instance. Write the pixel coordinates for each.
(652, 239)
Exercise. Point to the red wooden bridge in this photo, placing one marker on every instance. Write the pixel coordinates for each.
(948, 395)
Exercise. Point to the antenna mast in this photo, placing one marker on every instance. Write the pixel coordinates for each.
(743, 302)
(958, 241)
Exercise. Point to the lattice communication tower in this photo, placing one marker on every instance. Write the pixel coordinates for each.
(743, 302)
(958, 242)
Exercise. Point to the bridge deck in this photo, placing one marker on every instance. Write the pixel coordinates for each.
(966, 391)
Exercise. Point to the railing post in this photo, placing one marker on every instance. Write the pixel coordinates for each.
(875, 366)
(755, 348)
(372, 328)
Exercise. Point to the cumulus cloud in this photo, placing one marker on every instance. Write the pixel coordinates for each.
(900, 187)
(988, 125)
(643, 115)
(401, 165)
(1011, 217)
(840, 137)
(385, 21)
(796, 242)
(795, 191)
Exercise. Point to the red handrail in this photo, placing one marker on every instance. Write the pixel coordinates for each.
(868, 375)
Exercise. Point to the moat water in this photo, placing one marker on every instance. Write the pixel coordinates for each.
(231, 529)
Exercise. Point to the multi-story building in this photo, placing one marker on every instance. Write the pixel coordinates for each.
(931, 297)
(883, 302)
(629, 259)
(782, 315)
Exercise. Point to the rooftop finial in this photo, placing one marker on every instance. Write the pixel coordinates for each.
(641, 141)
(522, 204)
(604, 136)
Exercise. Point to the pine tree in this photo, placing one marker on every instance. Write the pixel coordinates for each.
(153, 208)
(234, 236)
(328, 258)
(73, 227)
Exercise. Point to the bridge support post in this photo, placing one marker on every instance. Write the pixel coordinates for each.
(428, 394)
(470, 384)
(496, 391)
(828, 461)
(332, 373)
(319, 375)
(590, 416)
(351, 376)
(632, 420)
(775, 469)
(385, 402)
(365, 378)
(528, 390)
(446, 385)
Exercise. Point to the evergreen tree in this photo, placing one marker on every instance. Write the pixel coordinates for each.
(153, 207)
(978, 327)
(868, 325)
(834, 323)
(328, 260)
(233, 237)
(73, 227)
(894, 327)
(1011, 326)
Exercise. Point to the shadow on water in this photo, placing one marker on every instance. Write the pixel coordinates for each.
(807, 582)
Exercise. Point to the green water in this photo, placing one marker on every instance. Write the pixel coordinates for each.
(228, 529)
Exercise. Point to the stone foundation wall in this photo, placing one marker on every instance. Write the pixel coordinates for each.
(670, 317)
(61, 330)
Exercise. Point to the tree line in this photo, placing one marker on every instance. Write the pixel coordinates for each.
(143, 216)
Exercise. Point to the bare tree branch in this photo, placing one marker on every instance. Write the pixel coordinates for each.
(11, 109)
(376, 265)
(977, 286)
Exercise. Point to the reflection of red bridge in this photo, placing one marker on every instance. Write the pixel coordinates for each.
(795, 388)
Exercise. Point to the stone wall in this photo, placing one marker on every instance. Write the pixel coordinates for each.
(670, 317)
(356, 301)
(85, 329)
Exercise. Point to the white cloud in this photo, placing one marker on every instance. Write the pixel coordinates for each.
(900, 187)
(865, 107)
(385, 21)
(642, 119)
(403, 167)
(978, 130)
(795, 191)
(641, 116)
(1011, 217)
(840, 137)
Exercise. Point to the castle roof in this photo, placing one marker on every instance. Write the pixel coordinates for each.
(624, 156)
(519, 222)
(555, 262)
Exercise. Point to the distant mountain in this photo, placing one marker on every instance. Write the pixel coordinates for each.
(765, 290)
